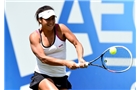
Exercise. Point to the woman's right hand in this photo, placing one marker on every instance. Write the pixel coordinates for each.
(71, 64)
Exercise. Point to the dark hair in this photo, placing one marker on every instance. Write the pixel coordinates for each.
(41, 9)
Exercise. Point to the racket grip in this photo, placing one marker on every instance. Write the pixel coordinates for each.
(87, 63)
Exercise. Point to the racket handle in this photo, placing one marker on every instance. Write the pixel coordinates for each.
(87, 63)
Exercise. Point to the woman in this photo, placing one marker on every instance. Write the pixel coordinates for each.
(48, 44)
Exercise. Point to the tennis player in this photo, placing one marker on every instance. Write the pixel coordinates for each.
(48, 44)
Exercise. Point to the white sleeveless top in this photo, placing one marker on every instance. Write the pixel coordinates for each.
(57, 50)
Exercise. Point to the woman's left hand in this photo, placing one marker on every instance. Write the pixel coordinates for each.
(82, 63)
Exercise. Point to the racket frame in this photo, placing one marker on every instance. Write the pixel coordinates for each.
(102, 62)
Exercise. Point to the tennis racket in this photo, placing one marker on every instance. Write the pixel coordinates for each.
(119, 62)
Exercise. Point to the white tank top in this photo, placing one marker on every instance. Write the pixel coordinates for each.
(57, 50)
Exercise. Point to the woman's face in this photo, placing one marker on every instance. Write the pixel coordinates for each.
(48, 23)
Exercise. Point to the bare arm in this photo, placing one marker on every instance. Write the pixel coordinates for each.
(39, 53)
(72, 38)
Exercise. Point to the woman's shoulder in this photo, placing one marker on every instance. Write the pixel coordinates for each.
(35, 35)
